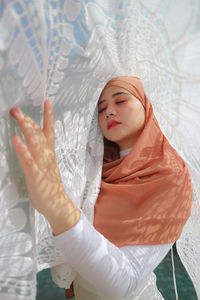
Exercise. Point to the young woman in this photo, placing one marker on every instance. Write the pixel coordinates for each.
(143, 204)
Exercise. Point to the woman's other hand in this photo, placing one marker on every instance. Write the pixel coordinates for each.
(38, 161)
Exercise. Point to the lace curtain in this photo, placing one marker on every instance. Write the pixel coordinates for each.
(66, 50)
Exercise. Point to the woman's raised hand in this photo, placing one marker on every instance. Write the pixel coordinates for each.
(38, 161)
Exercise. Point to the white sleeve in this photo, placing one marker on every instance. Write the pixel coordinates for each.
(114, 272)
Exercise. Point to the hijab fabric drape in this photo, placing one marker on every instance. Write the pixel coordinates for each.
(145, 196)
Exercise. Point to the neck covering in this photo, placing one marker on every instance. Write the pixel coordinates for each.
(145, 197)
(124, 152)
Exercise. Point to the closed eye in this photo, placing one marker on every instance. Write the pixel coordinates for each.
(118, 102)
(101, 110)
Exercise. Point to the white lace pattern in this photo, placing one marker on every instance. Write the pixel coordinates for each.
(67, 51)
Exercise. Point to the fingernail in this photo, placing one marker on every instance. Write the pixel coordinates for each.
(16, 111)
(48, 101)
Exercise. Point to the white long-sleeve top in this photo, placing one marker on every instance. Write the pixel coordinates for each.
(114, 272)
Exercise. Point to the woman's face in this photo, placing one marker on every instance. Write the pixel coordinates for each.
(121, 116)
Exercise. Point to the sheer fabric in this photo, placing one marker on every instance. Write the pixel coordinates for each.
(67, 51)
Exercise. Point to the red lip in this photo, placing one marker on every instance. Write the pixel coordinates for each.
(112, 124)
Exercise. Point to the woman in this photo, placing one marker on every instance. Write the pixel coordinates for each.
(143, 204)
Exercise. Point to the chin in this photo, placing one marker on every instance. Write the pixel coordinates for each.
(111, 139)
(116, 138)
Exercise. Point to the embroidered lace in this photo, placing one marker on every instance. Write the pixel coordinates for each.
(67, 51)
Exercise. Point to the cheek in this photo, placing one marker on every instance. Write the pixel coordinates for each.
(127, 111)
(136, 113)
(101, 122)
(140, 116)
(123, 110)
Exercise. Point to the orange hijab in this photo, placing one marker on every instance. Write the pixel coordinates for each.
(145, 197)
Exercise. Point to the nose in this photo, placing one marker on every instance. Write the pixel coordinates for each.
(110, 112)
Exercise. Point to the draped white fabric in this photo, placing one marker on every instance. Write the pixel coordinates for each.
(67, 50)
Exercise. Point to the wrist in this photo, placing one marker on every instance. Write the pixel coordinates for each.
(64, 215)
(65, 222)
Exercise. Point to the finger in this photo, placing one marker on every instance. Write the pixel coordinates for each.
(25, 158)
(48, 124)
(32, 132)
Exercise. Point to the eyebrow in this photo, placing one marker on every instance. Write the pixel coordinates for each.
(113, 95)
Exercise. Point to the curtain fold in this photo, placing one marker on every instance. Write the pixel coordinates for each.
(67, 51)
